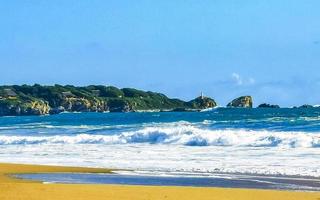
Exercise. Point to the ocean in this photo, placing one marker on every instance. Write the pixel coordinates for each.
(277, 142)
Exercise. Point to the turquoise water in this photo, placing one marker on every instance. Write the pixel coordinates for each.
(255, 141)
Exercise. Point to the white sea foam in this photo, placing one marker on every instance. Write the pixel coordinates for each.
(186, 135)
(171, 159)
(166, 148)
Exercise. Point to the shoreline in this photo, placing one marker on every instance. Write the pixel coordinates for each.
(7, 169)
(213, 181)
(31, 190)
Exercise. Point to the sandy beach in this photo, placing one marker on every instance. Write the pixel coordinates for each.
(160, 100)
(17, 189)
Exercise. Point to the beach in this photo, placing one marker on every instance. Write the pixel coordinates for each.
(160, 100)
(12, 189)
(162, 155)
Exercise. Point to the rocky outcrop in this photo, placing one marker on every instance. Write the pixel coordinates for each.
(9, 110)
(202, 103)
(74, 104)
(120, 105)
(37, 107)
(241, 102)
(266, 105)
(57, 110)
(306, 106)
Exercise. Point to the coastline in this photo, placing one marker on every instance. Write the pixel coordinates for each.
(13, 188)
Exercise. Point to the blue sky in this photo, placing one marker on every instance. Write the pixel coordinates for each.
(268, 49)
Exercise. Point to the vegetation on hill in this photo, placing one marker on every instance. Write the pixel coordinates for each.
(39, 100)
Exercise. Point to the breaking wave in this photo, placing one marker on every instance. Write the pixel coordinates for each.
(185, 134)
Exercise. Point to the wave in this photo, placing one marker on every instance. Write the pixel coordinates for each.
(184, 134)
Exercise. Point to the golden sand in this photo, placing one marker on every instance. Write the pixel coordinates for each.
(16, 189)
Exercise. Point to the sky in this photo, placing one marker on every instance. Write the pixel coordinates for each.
(269, 49)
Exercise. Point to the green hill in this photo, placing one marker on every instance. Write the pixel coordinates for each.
(40, 100)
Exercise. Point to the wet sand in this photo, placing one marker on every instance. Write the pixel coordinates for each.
(18, 189)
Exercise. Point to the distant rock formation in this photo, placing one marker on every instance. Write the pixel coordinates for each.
(266, 105)
(306, 106)
(241, 102)
(202, 103)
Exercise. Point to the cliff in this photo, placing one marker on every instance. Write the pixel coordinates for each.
(40, 100)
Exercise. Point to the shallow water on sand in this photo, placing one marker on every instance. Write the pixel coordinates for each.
(212, 180)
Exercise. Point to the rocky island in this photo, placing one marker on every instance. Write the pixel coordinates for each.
(266, 105)
(41, 100)
(241, 102)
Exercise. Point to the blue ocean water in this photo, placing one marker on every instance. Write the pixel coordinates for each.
(284, 119)
(259, 141)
